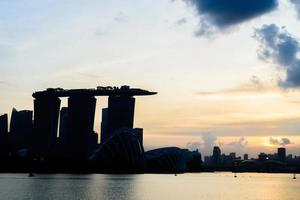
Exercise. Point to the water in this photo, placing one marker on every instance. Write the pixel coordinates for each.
(204, 186)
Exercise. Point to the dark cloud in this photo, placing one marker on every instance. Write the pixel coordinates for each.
(279, 47)
(280, 142)
(241, 143)
(296, 3)
(221, 14)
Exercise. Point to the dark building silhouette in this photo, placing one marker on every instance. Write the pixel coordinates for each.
(138, 132)
(216, 157)
(105, 134)
(104, 125)
(63, 125)
(172, 160)
(4, 148)
(262, 156)
(76, 150)
(21, 127)
(3, 125)
(281, 154)
(232, 155)
(246, 156)
(164, 160)
(76, 136)
(70, 141)
(121, 152)
(46, 112)
(93, 142)
(119, 114)
(61, 144)
(80, 125)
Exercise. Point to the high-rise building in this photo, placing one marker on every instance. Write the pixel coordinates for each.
(104, 125)
(216, 157)
(63, 125)
(246, 156)
(119, 114)
(3, 125)
(81, 114)
(232, 155)
(46, 112)
(93, 142)
(281, 154)
(262, 156)
(4, 147)
(21, 127)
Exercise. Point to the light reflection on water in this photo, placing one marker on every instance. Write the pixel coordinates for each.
(205, 186)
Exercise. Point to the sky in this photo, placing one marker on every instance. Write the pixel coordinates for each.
(227, 72)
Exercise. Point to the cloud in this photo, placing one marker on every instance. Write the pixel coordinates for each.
(120, 17)
(221, 14)
(181, 21)
(279, 47)
(241, 143)
(253, 85)
(281, 142)
(296, 3)
(4, 83)
(193, 146)
(209, 140)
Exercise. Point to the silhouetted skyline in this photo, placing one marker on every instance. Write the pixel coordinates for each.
(188, 50)
(63, 140)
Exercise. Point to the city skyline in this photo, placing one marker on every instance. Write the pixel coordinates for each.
(212, 90)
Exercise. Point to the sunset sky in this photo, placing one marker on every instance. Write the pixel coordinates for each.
(227, 72)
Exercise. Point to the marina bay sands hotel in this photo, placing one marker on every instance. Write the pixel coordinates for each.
(77, 120)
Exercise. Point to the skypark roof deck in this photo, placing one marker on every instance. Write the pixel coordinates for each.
(99, 91)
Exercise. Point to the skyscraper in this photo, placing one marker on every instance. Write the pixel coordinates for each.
(46, 112)
(81, 114)
(119, 114)
(281, 154)
(21, 127)
(216, 157)
(4, 147)
(104, 125)
(63, 125)
(3, 125)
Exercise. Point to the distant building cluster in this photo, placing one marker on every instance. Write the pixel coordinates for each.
(278, 162)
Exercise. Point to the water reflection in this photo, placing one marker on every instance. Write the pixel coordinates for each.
(206, 186)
